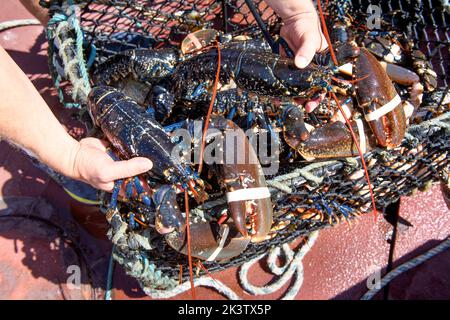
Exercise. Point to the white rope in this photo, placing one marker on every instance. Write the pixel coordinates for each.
(5, 25)
(293, 266)
(204, 281)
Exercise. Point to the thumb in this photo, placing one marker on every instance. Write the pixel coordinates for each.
(130, 168)
(305, 53)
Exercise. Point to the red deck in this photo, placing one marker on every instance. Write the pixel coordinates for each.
(35, 257)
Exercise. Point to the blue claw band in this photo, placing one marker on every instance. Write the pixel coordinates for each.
(174, 126)
(151, 111)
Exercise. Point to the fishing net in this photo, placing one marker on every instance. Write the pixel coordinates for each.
(306, 196)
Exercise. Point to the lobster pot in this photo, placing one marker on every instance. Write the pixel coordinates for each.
(306, 196)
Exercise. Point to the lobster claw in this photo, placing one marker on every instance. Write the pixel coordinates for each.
(380, 102)
(247, 194)
(168, 213)
(334, 140)
(210, 241)
(294, 128)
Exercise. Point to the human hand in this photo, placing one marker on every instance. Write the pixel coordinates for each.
(92, 164)
(304, 35)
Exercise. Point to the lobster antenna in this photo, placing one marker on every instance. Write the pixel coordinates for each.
(355, 140)
(188, 236)
(353, 81)
(210, 109)
(325, 32)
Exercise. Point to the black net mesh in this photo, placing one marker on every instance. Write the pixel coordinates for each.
(113, 26)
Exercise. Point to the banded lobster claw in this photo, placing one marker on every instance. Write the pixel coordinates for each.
(380, 102)
(168, 214)
(210, 241)
(248, 199)
(331, 140)
(247, 194)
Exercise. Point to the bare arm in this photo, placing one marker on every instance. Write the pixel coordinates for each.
(27, 121)
(301, 28)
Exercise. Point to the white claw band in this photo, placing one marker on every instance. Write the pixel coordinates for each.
(224, 237)
(195, 40)
(362, 136)
(388, 107)
(248, 194)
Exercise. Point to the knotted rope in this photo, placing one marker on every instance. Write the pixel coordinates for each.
(70, 51)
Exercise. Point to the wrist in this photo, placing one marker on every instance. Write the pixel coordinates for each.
(62, 156)
(70, 163)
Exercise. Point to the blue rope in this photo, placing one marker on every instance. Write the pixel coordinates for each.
(109, 277)
(444, 245)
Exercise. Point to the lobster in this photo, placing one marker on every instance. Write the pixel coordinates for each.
(246, 192)
(376, 96)
(141, 74)
(134, 132)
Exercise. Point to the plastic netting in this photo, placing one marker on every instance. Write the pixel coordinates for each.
(306, 196)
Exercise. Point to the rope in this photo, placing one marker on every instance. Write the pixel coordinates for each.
(407, 266)
(204, 281)
(292, 266)
(109, 278)
(70, 50)
(18, 23)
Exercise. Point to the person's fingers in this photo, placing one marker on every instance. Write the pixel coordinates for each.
(128, 168)
(306, 52)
